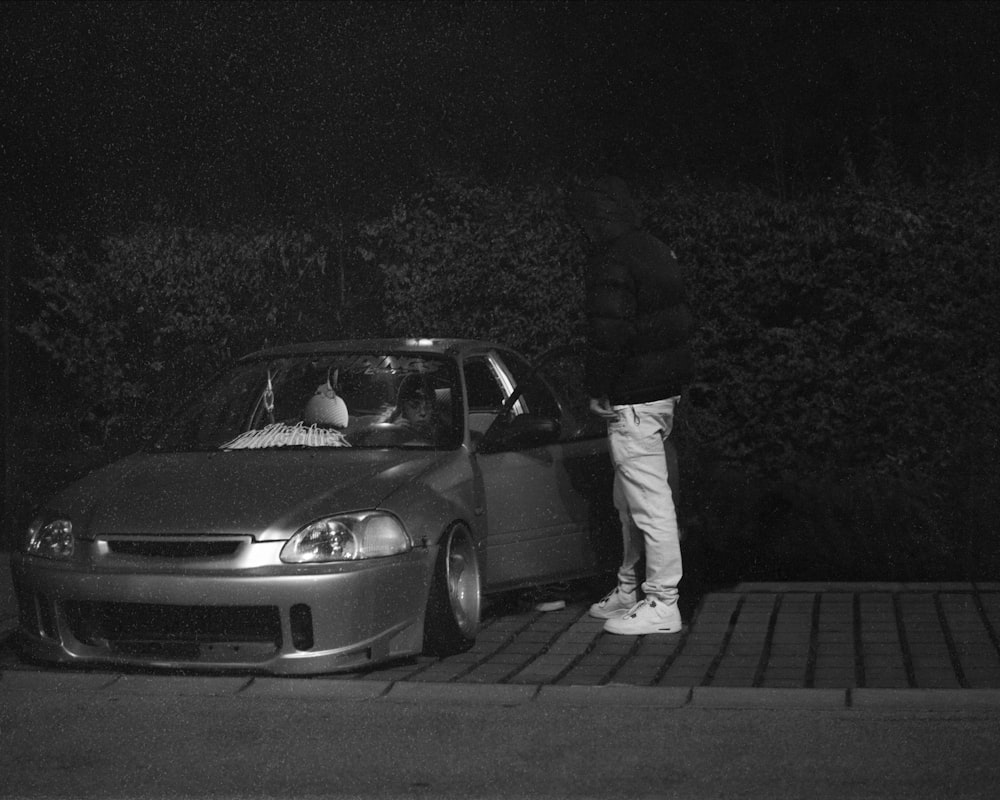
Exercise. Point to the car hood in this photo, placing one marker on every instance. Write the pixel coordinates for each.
(266, 493)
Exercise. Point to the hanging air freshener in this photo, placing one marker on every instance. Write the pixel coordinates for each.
(269, 398)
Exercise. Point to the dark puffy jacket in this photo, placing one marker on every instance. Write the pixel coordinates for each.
(639, 323)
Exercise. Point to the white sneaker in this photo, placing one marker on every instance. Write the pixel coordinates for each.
(615, 604)
(649, 616)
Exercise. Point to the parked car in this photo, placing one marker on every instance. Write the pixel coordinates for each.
(323, 507)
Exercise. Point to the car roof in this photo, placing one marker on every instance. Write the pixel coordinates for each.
(442, 346)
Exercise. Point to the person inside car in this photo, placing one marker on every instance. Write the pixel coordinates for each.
(416, 408)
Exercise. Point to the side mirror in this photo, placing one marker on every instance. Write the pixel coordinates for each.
(520, 432)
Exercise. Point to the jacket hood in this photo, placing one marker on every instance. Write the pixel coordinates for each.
(605, 209)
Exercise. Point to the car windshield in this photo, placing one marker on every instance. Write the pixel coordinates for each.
(323, 400)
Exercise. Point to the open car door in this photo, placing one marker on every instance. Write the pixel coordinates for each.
(543, 448)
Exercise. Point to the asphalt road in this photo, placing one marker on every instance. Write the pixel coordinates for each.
(157, 738)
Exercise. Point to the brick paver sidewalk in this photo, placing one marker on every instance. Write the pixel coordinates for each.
(927, 636)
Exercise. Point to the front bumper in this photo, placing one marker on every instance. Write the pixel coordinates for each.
(279, 620)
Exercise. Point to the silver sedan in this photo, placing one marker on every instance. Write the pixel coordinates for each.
(323, 507)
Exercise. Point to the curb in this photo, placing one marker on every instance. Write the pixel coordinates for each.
(17, 681)
(793, 587)
(177, 685)
(617, 695)
(502, 694)
(925, 699)
(315, 689)
(732, 697)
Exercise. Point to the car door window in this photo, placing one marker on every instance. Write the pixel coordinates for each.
(554, 386)
(491, 379)
(536, 397)
(485, 392)
(482, 387)
(563, 370)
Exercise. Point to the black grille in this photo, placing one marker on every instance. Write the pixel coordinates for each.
(172, 549)
(137, 625)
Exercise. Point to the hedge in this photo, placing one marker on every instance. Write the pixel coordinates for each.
(845, 339)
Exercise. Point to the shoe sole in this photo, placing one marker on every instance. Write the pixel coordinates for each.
(645, 631)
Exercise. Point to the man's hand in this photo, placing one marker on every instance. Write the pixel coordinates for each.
(602, 407)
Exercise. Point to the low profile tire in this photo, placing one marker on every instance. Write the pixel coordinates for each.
(453, 606)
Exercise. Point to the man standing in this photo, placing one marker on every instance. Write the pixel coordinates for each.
(638, 327)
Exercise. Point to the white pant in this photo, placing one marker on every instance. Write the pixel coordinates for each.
(643, 498)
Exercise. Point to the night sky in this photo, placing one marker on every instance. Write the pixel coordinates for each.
(237, 109)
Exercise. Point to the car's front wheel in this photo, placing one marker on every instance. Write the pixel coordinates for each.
(453, 607)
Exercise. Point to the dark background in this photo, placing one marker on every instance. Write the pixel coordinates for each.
(224, 110)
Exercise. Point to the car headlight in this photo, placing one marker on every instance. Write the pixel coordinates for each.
(52, 539)
(347, 537)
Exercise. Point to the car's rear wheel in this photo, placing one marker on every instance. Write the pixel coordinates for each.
(453, 607)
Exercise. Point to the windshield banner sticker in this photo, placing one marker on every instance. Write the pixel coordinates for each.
(281, 435)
